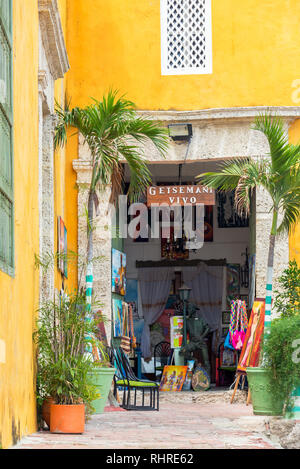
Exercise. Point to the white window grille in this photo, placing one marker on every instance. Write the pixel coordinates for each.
(186, 37)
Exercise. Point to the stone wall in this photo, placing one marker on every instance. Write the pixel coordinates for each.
(217, 135)
(53, 64)
(101, 240)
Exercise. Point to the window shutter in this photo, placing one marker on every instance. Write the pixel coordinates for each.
(6, 156)
(186, 42)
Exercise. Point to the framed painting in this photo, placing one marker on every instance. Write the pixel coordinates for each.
(225, 317)
(173, 378)
(131, 296)
(225, 331)
(118, 266)
(138, 326)
(209, 223)
(176, 331)
(232, 283)
(227, 215)
(172, 248)
(117, 307)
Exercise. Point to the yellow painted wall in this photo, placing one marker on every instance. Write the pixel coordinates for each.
(256, 61)
(19, 295)
(65, 194)
(116, 43)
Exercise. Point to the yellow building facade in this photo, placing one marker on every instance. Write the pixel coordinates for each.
(255, 60)
(247, 62)
(250, 65)
(35, 78)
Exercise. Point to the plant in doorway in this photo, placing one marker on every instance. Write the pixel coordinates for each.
(278, 174)
(64, 338)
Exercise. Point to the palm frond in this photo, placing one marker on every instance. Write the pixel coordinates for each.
(113, 131)
(227, 177)
(241, 175)
(283, 154)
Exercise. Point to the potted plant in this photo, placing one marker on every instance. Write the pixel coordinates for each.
(102, 375)
(281, 344)
(64, 337)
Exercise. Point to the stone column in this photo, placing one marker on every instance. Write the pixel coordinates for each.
(263, 228)
(101, 240)
(46, 184)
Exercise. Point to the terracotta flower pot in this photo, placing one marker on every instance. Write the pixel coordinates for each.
(67, 418)
(46, 409)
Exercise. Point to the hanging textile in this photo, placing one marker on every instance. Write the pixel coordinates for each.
(206, 283)
(155, 285)
(238, 323)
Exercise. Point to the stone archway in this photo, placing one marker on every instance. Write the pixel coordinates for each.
(218, 135)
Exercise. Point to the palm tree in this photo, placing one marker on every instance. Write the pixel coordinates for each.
(278, 174)
(113, 132)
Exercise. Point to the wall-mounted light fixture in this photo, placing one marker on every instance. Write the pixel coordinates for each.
(183, 132)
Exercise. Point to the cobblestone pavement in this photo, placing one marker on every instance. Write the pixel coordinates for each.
(176, 426)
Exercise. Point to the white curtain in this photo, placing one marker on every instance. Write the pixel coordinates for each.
(206, 283)
(155, 285)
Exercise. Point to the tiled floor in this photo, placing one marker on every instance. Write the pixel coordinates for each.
(176, 425)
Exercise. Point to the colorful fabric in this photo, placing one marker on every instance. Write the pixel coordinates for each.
(243, 316)
(238, 317)
(233, 318)
(238, 323)
(251, 349)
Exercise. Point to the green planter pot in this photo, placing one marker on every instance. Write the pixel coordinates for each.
(261, 393)
(102, 378)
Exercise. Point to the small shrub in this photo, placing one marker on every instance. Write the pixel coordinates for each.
(281, 356)
(287, 298)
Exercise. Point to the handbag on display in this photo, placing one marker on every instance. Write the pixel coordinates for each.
(227, 343)
(238, 325)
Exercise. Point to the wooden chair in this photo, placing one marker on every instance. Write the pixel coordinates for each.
(126, 379)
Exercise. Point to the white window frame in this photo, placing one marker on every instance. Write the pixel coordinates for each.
(207, 69)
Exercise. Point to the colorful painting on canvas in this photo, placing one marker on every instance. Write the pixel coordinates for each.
(118, 280)
(117, 307)
(138, 326)
(176, 331)
(233, 283)
(251, 348)
(131, 296)
(173, 378)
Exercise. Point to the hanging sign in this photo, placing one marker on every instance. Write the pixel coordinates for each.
(180, 195)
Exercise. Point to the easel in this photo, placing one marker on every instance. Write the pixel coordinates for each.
(240, 375)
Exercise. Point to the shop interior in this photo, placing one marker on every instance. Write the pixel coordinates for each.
(161, 273)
